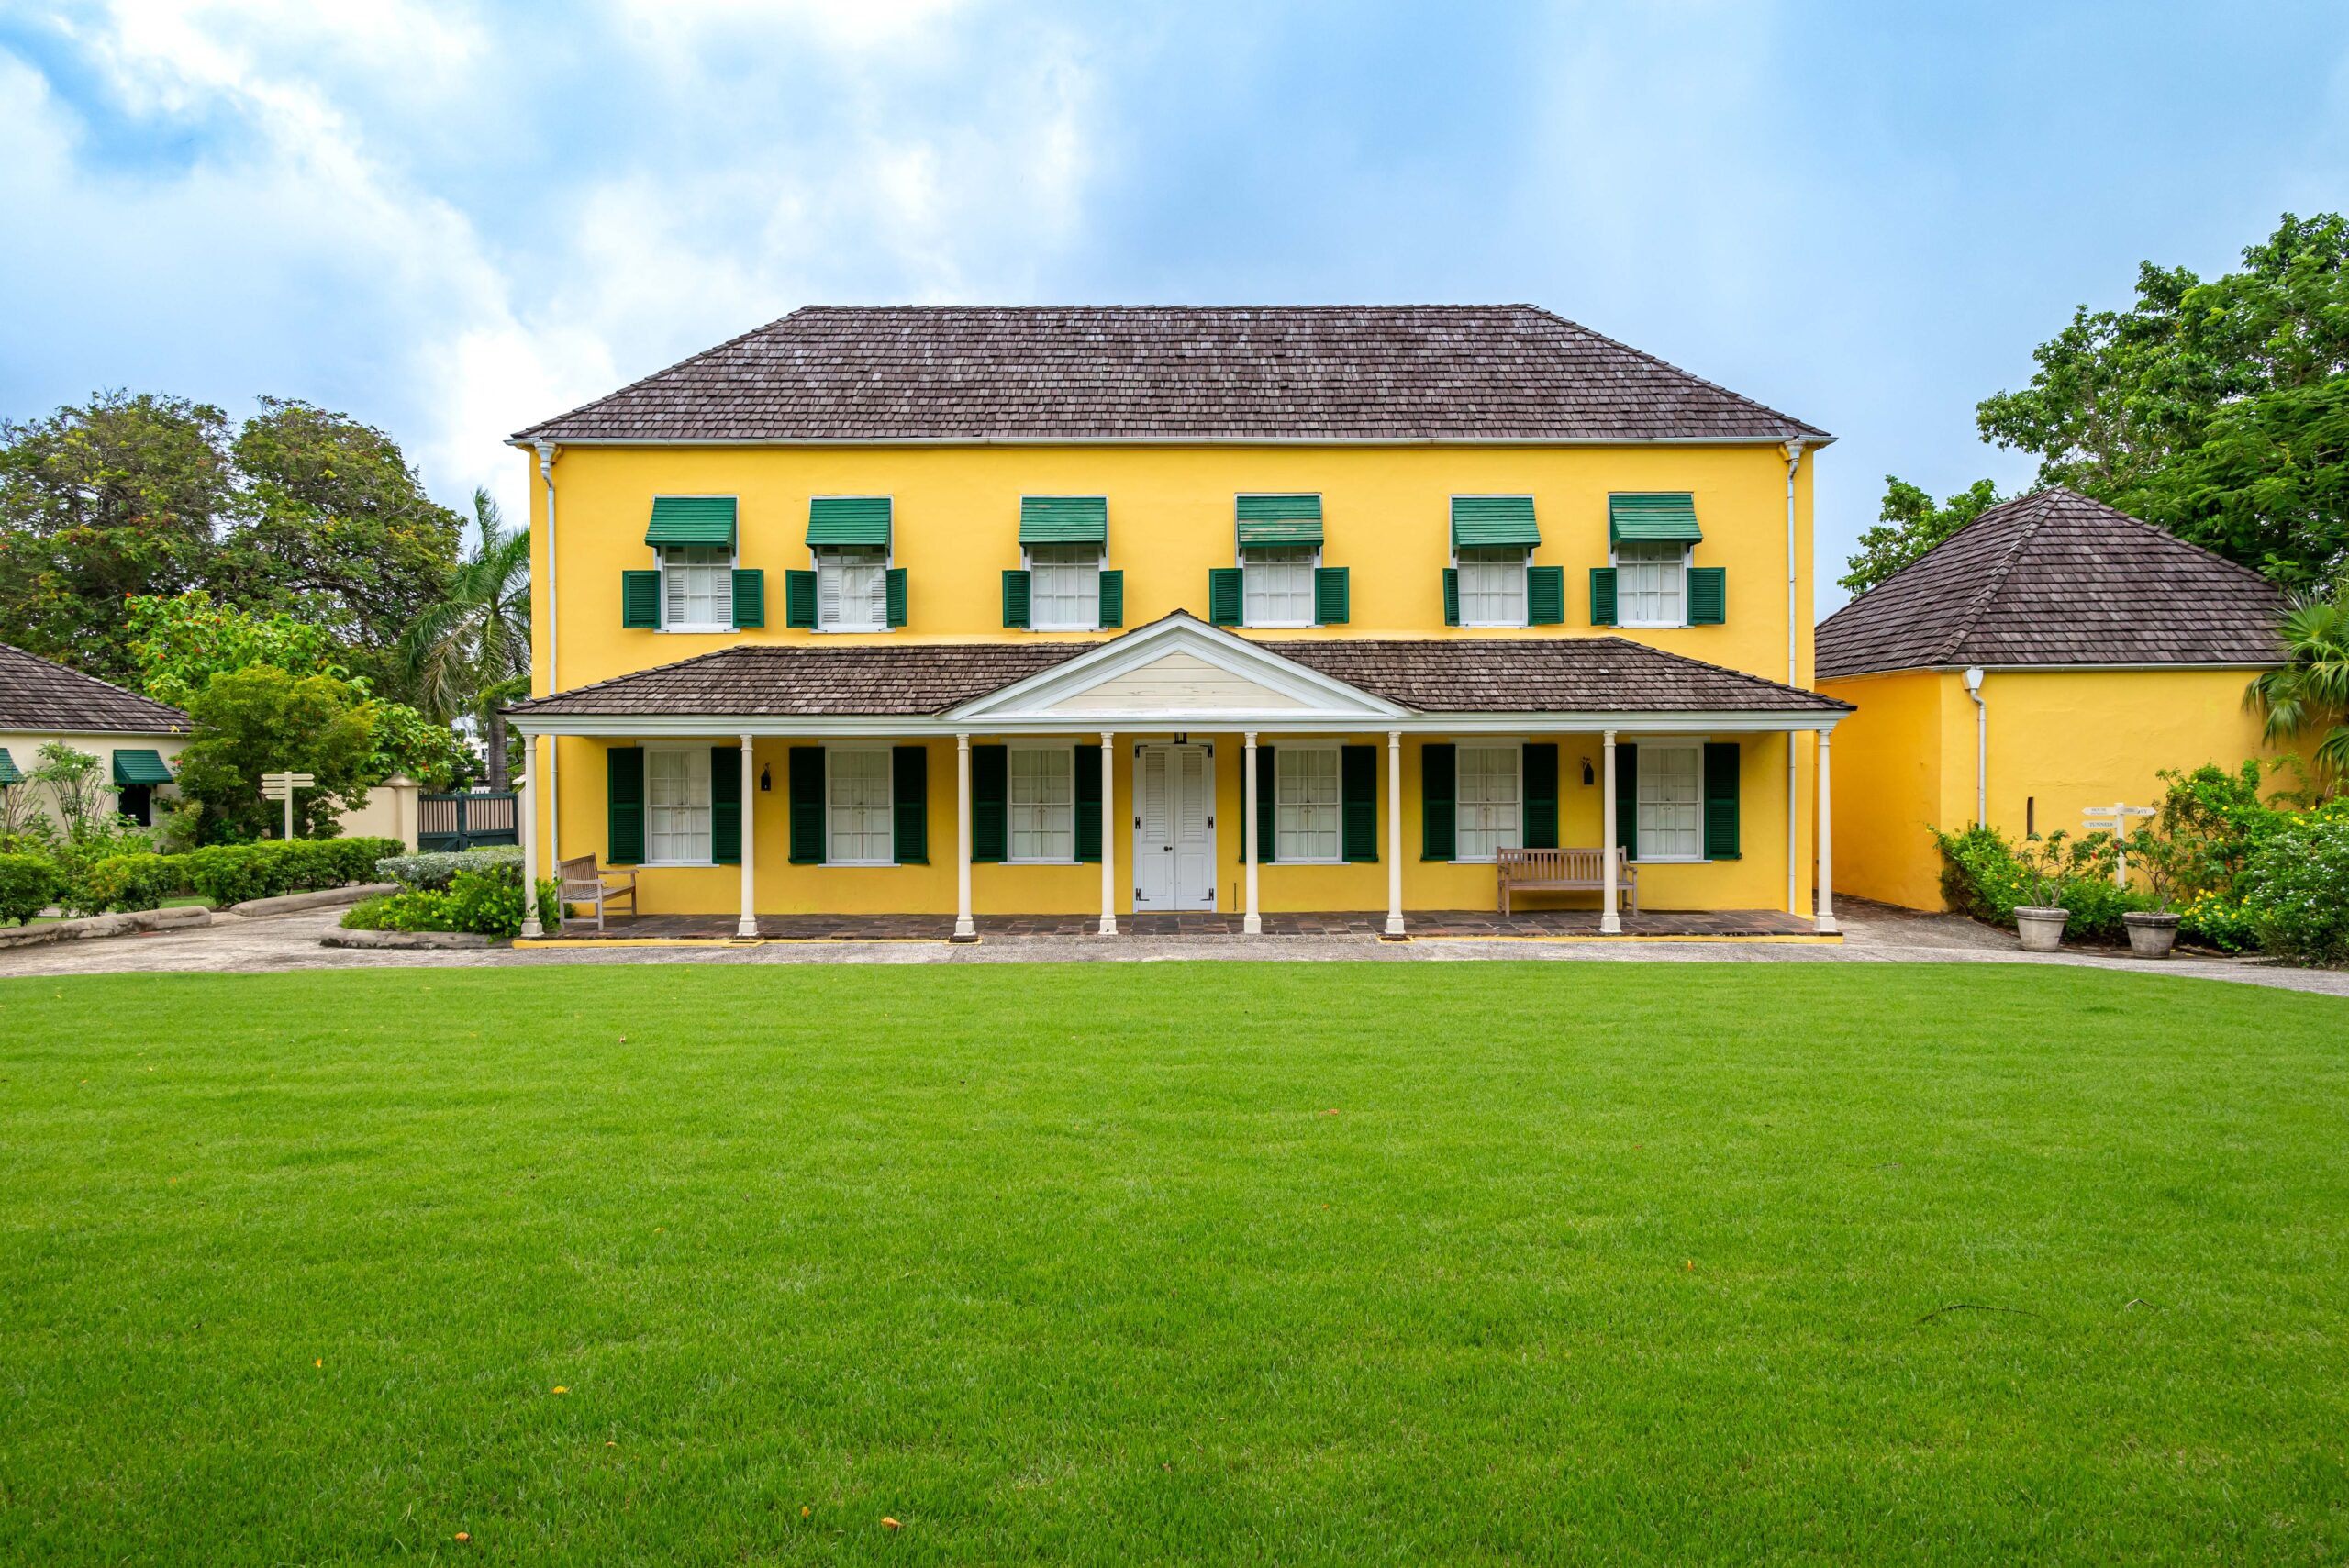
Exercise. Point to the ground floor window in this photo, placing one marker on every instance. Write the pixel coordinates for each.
(1306, 804)
(857, 796)
(137, 802)
(1492, 585)
(1043, 804)
(676, 806)
(1490, 816)
(1672, 802)
(698, 583)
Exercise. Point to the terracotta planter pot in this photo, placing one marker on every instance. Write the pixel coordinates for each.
(2150, 936)
(2042, 930)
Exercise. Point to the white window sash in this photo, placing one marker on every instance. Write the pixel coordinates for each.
(1483, 579)
(1656, 818)
(1298, 817)
(1640, 580)
(839, 606)
(687, 583)
(1509, 815)
(1047, 803)
(1276, 585)
(871, 820)
(681, 821)
(1063, 595)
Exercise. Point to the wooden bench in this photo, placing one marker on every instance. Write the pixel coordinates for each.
(1564, 870)
(583, 883)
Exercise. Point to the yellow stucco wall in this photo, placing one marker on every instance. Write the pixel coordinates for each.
(1755, 880)
(2060, 741)
(1386, 517)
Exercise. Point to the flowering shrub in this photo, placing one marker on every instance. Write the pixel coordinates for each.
(1985, 876)
(437, 868)
(2296, 889)
(486, 903)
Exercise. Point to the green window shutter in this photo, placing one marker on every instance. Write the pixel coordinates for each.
(1267, 809)
(1541, 809)
(1438, 769)
(10, 772)
(1707, 596)
(910, 805)
(1492, 521)
(895, 593)
(1627, 797)
(1450, 596)
(1720, 800)
(1658, 518)
(1330, 596)
(807, 782)
(640, 600)
(849, 519)
(1602, 596)
(1113, 598)
(624, 804)
(750, 598)
(1063, 519)
(1358, 798)
(799, 599)
(1088, 803)
(1223, 596)
(690, 520)
(990, 803)
(1015, 598)
(1274, 520)
(726, 804)
(1545, 595)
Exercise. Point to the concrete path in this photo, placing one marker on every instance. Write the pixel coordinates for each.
(1873, 935)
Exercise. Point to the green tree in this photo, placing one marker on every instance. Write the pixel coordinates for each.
(1907, 525)
(2219, 410)
(333, 526)
(178, 644)
(115, 498)
(262, 719)
(469, 654)
(2308, 693)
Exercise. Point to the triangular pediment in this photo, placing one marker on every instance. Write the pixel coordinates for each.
(1173, 671)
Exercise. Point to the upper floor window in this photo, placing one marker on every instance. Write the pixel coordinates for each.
(1277, 584)
(697, 587)
(1064, 587)
(1651, 582)
(851, 588)
(1492, 585)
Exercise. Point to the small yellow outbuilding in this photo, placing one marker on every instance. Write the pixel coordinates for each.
(2049, 659)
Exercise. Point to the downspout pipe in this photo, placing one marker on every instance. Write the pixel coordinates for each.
(1794, 451)
(1973, 678)
(554, 798)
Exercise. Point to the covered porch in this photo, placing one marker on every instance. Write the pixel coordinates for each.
(1182, 778)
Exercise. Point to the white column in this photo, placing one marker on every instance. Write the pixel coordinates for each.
(1251, 923)
(1826, 924)
(1611, 922)
(964, 930)
(748, 926)
(1394, 832)
(526, 821)
(1108, 834)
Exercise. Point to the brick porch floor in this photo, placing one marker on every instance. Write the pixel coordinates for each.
(1370, 923)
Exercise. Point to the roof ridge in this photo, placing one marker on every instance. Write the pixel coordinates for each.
(1994, 581)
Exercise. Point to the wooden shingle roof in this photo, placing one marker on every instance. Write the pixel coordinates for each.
(37, 694)
(1171, 373)
(1576, 675)
(2055, 578)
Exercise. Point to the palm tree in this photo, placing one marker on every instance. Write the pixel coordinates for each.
(471, 652)
(2310, 692)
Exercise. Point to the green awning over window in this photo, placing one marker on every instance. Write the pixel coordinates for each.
(692, 519)
(10, 772)
(849, 519)
(1063, 519)
(141, 767)
(1279, 520)
(1666, 518)
(1493, 519)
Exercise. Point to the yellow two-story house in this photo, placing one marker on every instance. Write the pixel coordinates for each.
(1122, 613)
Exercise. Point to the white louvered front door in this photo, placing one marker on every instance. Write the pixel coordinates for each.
(1173, 843)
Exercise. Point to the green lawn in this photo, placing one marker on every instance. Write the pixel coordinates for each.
(1282, 1263)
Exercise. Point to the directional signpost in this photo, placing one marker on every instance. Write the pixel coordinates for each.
(281, 786)
(2115, 819)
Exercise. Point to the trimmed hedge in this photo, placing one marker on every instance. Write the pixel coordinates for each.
(134, 882)
(229, 874)
(28, 884)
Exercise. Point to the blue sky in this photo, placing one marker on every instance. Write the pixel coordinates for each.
(450, 219)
